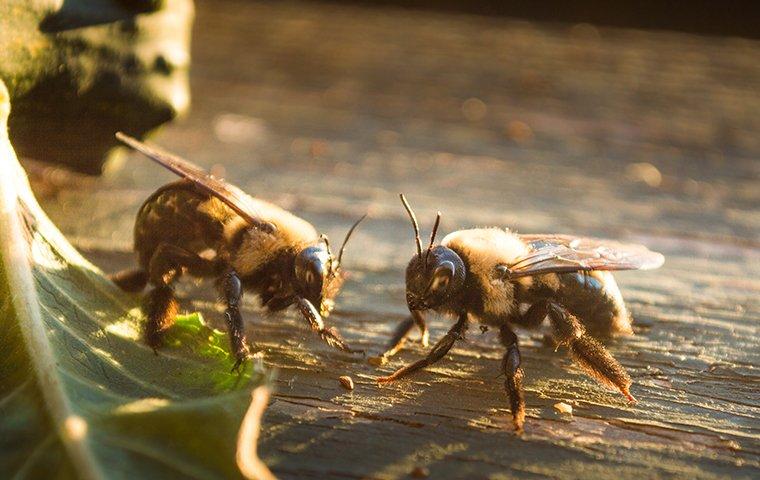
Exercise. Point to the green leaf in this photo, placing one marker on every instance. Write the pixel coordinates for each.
(80, 395)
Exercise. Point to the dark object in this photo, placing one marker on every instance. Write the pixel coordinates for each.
(420, 472)
(206, 227)
(736, 18)
(79, 69)
(347, 382)
(489, 273)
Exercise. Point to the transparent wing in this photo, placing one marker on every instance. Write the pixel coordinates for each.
(231, 195)
(566, 253)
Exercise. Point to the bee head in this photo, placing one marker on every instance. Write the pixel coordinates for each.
(434, 275)
(312, 267)
(318, 272)
(433, 278)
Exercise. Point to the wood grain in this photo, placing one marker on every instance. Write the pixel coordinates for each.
(645, 137)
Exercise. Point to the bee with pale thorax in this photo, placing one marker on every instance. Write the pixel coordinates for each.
(488, 274)
(207, 228)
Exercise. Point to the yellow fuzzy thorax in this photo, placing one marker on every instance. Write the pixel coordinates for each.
(486, 247)
(483, 249)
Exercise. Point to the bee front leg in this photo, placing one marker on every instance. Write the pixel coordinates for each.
(232, 289)
(510, 365)
(439, 351)
(587, 352)
(402, 331)
(329, 335)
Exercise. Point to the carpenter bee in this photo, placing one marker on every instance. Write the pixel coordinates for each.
(503, 279)
(207, 228)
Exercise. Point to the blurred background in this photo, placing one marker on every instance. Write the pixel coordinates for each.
(737, 18)
(335, 107)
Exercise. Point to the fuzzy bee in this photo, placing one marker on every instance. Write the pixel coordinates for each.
(502, 280)
(207, 228)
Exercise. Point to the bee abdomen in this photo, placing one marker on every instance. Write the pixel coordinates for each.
(594, 297)
(179, 214)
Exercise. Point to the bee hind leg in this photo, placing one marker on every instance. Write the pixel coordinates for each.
(533, 317)
(130, 280)
(161, 308)
(166, 265)
(587, 352)
(510, 365)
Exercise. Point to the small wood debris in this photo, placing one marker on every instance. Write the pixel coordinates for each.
(564, 408)
(420, 472)
(347, 382)
(378, 360)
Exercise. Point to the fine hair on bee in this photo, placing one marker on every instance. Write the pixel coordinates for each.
(501, 279)
(205, 227)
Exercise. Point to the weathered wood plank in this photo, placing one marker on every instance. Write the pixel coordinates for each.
(648, 137)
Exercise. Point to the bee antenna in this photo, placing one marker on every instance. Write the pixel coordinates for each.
(348, 235)
(324, 238)
(432, 235)
(414, 223)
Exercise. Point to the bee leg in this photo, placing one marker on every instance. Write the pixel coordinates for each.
(439, 350)
(130, 280)
(533, 317)
(398, 339)
(402, 331)
(510, 365)
(587, 352)
(161, 308)
(166, 265)
(419, 320)
(329, 334)
(232, 289)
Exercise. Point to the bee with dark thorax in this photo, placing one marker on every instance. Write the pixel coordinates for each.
(503, 279)
(207, 228)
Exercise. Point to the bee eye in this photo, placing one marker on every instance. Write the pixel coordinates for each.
(441, 278)
(439, 283)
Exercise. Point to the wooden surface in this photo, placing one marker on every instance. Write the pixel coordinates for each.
(640, 136)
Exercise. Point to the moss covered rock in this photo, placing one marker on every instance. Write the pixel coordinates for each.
(79, 70)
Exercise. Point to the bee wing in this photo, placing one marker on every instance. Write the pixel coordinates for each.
(566, 253)
(231, 195)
